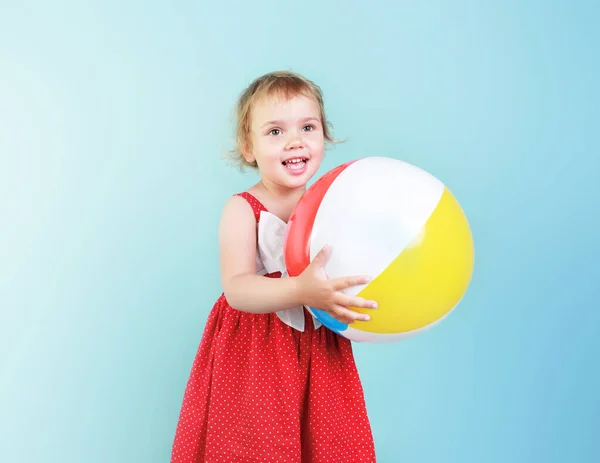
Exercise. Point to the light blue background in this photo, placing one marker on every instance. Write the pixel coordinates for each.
(113, 116)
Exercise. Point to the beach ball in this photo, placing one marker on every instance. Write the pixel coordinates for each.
(395, 222)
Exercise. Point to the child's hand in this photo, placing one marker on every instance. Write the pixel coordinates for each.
(317, 291)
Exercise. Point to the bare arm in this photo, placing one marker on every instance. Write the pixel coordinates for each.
(249, 292)
(243, 288)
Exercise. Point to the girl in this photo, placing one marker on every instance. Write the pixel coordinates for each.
(268, 383)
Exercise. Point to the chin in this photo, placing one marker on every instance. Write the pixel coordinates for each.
(295, 184)
(298, 180)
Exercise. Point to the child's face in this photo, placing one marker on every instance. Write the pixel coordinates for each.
(287, 140)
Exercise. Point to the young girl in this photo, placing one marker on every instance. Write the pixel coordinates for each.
(269, 383)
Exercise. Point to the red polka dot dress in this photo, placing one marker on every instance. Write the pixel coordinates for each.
(262, 391)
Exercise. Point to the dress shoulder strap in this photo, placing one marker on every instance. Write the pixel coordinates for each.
(256, 205)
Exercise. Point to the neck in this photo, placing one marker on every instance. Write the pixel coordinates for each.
(280, 193)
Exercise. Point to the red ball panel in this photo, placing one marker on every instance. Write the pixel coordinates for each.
(300, 224)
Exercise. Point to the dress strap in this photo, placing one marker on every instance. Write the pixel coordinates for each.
(255, 204)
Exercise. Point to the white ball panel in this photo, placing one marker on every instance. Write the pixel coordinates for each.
(372, 210)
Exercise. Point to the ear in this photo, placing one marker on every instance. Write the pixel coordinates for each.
(247, 153)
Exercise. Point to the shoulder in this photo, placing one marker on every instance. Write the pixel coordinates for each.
(238, 204)
(237, 212)
(237, 238)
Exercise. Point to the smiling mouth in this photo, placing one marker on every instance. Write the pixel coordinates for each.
(296, 163)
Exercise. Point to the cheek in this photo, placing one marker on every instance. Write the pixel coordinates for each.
(316, 137)
(265, 146)
(270, 152)
(317, 145)
(271, 143)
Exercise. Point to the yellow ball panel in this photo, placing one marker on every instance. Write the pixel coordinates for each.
(428, 278)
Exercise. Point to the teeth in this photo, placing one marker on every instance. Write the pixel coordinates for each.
(295, 164)
(294, 161)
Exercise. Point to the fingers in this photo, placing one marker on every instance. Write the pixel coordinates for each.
(347, 316)
(355, 301)
(322, 256)
(346, 282)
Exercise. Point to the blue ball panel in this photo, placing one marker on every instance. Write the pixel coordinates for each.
(329, 321)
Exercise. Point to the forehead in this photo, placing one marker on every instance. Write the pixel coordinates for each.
(280, 107)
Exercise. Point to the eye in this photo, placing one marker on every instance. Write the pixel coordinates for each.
(275, 132)
(308, 128)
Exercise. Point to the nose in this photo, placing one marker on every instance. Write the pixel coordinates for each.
(294, 141)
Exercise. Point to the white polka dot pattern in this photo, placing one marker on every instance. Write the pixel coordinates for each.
(260, 391)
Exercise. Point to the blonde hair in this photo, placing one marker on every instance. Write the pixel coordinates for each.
(281, 83)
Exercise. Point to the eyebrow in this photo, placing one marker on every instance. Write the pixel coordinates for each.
(306, 119)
